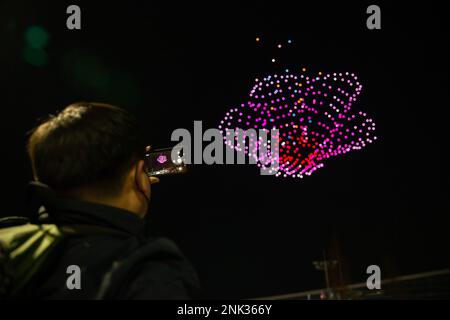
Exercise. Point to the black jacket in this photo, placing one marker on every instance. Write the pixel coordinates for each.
(117, 263)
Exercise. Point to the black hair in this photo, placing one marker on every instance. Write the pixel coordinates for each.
(88, 144)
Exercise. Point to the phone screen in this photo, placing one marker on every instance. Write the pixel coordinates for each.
(159, 162)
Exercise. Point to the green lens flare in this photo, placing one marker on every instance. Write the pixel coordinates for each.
(36, 37)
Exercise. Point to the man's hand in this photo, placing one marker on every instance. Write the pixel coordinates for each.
(152, 179)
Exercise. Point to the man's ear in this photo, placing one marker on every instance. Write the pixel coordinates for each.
(141, 178)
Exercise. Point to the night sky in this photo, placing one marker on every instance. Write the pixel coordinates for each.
(250, 235)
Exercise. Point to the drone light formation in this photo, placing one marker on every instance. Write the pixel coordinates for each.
(314, 114)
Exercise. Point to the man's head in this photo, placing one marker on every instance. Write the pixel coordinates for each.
(93, 152)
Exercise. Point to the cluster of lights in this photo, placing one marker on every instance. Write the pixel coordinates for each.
(313, 113)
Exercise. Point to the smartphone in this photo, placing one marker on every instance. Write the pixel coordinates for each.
(159, 162)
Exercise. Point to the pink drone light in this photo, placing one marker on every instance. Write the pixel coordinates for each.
(161, 159)
(314, 117)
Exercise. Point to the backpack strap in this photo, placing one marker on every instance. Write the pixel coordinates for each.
(13, 221)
